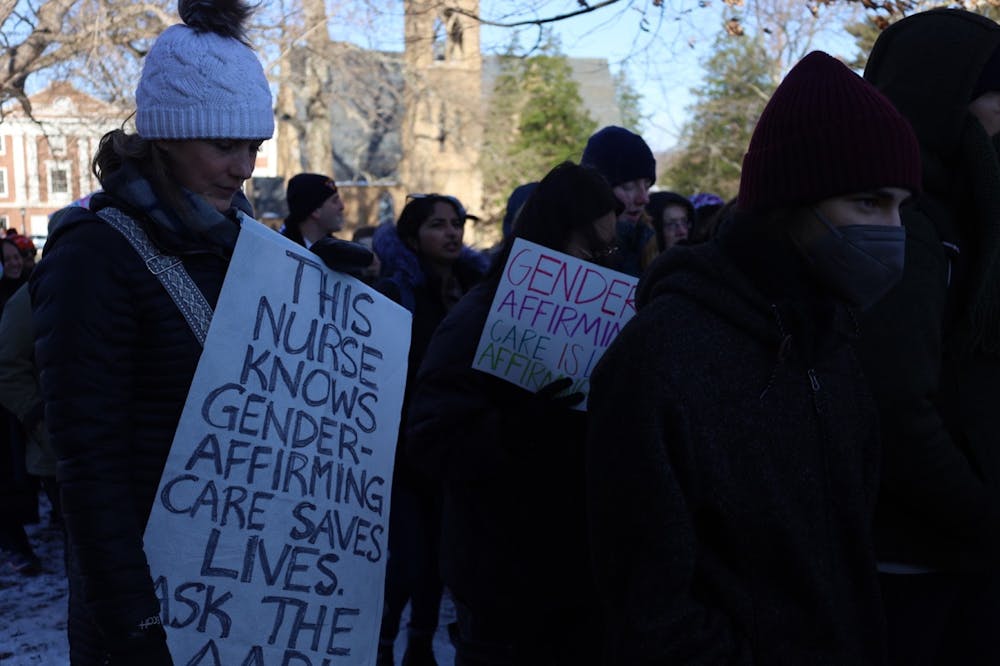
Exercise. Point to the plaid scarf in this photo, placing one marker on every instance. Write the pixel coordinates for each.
(199, 223)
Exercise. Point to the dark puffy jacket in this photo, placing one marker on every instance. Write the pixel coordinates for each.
(116, 360)
(732, 469)
(409, 283)
(514, 548)
(931, 348)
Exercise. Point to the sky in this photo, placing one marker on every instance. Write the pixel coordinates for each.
(660, 49)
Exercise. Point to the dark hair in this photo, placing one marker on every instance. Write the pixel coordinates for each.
(658, 202)
(7, 241)
(569, 198)
(118, 147)
(711, 219)
(418, 210)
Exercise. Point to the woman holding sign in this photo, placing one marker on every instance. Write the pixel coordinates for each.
(514, 550)
(733, 454)
(116, 354)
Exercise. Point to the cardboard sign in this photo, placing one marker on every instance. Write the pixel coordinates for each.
(267, 540)
(553, 316)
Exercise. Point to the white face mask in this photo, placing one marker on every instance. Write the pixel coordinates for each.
(858, 262)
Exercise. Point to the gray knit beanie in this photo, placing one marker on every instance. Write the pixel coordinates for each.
(199, 81)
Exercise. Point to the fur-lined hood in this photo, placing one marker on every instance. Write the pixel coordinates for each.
(402, 266)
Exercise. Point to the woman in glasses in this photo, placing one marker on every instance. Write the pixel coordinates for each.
(426, 269)
(672, 216)
(514, 548)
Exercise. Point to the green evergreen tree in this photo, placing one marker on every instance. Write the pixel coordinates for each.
(737, 85)
(536, 119)
(628, 98)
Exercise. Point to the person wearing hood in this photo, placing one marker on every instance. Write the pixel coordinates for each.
(931, 348)
(116, 341)
(625, 161)
(732, 458)
(514, 550)
(427, 269)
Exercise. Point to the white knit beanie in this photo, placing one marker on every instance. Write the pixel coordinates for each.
(197, 84)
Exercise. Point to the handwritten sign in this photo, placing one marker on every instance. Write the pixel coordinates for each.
(553, 316)
(267, 540)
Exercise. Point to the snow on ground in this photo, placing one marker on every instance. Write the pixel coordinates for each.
(33, 609)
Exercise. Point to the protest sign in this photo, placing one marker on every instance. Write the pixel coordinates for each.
(267, 539)
(553, 316)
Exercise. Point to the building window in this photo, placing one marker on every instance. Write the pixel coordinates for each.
(58, 180)
(440, 40)
(4, 222)
(3, 182)
(3, 144)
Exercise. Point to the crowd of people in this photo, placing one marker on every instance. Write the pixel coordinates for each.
(789, 455)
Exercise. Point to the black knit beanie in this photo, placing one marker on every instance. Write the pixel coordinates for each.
(619, 155)
(306, 193)
(826, 132)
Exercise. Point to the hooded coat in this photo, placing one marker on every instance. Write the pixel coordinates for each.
(732, 467)
(931, 348)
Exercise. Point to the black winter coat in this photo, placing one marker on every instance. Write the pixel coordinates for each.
(935, 369)
(514, 548)
(116, 360)
(732, 470)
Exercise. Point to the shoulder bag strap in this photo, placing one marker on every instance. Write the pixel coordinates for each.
(168, 270)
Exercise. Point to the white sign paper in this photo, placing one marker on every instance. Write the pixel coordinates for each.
(553, 316)
(268, 538)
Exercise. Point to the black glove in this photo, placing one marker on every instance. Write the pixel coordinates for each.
(146, 645)
(343, 256)
(547, 398)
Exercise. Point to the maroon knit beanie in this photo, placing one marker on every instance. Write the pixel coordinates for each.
(824, 133)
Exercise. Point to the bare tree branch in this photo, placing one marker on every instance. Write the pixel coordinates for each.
(586, 9)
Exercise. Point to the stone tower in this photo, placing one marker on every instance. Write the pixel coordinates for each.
(443, 123)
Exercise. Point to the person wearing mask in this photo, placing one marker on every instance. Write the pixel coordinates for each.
(931, 348)
(514, 550)
(427, 269)
(115, 353)
(671, 216)
(625, 161)
(732, 458)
